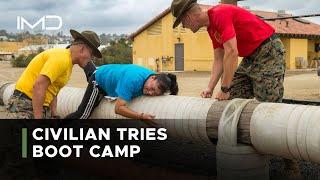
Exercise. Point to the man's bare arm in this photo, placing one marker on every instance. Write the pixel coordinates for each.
(39, 93)
(230, 61)
(217, 68)
(122, 109)
(53, 106)
(216, 72)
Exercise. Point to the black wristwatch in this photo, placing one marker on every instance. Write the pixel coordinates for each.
(225, 89)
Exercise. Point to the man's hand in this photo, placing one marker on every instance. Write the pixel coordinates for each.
(222, 96)
(207, 93)
(147, 116)
(55, 117)
(148, 119)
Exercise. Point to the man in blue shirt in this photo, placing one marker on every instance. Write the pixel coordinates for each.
(124, 81)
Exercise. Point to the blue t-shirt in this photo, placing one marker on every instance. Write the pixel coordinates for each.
(122, 80)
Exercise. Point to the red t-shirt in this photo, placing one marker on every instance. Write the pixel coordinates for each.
(228, 21)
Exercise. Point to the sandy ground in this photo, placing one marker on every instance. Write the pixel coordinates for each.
(304, 85)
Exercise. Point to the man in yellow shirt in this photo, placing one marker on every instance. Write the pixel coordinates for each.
(36, 91)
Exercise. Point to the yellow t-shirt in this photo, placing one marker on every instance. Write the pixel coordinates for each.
(54, 63)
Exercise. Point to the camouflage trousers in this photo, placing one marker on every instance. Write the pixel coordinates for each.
(21, 108)
(261, 74)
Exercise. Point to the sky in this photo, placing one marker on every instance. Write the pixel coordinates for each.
(119, 16)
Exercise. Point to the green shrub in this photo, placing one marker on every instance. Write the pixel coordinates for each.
(22, 60)
(117, 53)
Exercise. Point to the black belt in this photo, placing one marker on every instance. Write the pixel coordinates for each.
(272, 37)
(20, 94)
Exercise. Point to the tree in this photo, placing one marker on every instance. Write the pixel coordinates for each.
(117, 53)
(103, 38)
(22, 60)
(3, 32)
(40, 50)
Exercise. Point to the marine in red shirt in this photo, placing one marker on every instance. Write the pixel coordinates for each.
(236, 32)
(228, 21)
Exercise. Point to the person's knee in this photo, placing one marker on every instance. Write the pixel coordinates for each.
(268, 95)
(242, 91)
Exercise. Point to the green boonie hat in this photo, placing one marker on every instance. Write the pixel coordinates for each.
(179, 7)
(90, 38)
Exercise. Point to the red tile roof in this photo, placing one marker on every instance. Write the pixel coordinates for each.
(287, 28)
(291, 27)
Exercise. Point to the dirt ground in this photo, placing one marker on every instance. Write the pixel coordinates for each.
(299, 84)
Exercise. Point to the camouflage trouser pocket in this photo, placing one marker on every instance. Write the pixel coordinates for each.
(20, 108)
(261, 75)
(278, 47)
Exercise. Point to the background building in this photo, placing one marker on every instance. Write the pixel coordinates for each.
(159, 47)
(6, 56)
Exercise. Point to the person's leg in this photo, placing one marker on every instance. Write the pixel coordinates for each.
(241, 86)
(12, 166)
(269, 88)
(92, 96)
(268, 77)
(90, 100)
(89, 69)
(20, 108)
(268, 72)
(46, 114)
